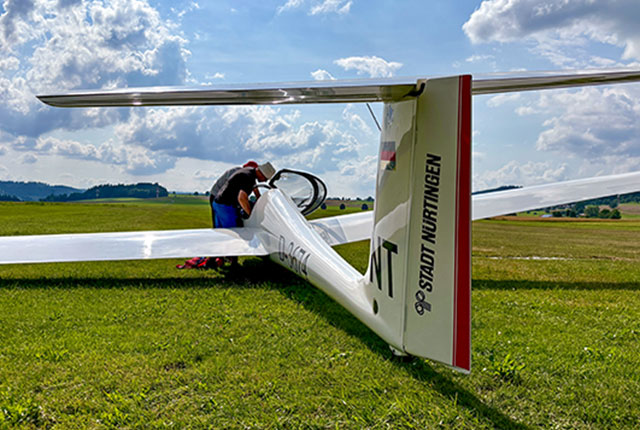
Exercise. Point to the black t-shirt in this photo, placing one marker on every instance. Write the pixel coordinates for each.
(242, 179)
(223, 179)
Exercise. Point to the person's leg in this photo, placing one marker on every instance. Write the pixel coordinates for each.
(213, 213)
(226, 217)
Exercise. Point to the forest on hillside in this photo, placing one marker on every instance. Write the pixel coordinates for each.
(142, 190)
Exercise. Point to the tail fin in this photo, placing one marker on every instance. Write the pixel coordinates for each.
(420, 260)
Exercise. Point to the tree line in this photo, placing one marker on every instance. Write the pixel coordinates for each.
(142, 190)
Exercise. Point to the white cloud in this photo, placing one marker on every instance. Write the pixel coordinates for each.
(236, 134)
(29, 158)
(375, 67)
(9, 63)
(289, 5)
(354, 120)
(322, 75)
(341, 7)
(524, 174)
(363, 169)
(318, 7)
(476, 155)
(132, 159)
(189, 8)
(67, 44)
(553, 25)
(216, 75)
(594, 128)
(501, 99)
(479, 58)
(591, 123)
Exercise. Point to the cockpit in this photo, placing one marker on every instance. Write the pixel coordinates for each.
(307, 191)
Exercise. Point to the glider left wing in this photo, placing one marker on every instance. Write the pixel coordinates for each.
(141, 245)
(135, 245)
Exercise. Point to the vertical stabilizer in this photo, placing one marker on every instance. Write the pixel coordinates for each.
(420, 260)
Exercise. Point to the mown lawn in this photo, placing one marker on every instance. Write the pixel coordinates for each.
(556, 331)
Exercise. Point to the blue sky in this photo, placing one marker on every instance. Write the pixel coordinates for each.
(51, 46)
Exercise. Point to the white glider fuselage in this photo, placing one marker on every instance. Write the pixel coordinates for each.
(295, 244)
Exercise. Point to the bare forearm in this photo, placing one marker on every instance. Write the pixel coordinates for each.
(243, 200)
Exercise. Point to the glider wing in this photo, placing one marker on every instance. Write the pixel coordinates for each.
(133, 245)
(541, 196)
(140, 245)
(338, 91)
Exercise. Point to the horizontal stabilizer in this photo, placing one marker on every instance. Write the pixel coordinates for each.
(338, 91)
(343, 229)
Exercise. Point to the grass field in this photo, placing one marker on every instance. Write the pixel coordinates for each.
(556, 336)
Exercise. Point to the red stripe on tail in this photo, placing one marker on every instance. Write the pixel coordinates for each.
(462, 288)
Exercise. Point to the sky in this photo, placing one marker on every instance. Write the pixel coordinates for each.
(53, 46)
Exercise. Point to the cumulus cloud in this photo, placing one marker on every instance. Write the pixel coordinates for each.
(479, 58)
(592, 122)
(217, 75)
(354, 120)
(375, 67)
(29, 158)
(501, 99)
(341, 7)
(68, 44)
(55, 46)
(236, 134)
(364, 169)
(524, 174)
(594, 128)
(552, 25)
(318, 7)
(132, 159)
(289, 5)
(322, 75)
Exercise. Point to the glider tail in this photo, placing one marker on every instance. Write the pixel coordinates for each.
(420, 259)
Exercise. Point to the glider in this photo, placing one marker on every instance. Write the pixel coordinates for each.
(416, 293)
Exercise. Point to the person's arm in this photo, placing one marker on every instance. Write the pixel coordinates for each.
(256, 192)
(243, 200)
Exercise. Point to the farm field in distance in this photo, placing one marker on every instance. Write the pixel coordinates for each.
(140, 344)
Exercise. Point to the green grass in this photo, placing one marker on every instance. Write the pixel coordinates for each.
(556, 343)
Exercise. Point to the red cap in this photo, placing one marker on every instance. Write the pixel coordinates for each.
(250, 164)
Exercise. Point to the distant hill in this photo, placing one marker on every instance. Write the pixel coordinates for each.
(9, 198)
(142, 190)
(32, 191)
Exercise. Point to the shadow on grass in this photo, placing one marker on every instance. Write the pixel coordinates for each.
(550, 285)
(252, 273)
(317, 302)
(261, 274)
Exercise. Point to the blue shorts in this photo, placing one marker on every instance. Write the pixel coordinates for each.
(226, 216)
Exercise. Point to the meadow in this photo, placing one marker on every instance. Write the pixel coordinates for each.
(555, 327)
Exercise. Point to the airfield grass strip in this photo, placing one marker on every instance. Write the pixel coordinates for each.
(143, 345)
